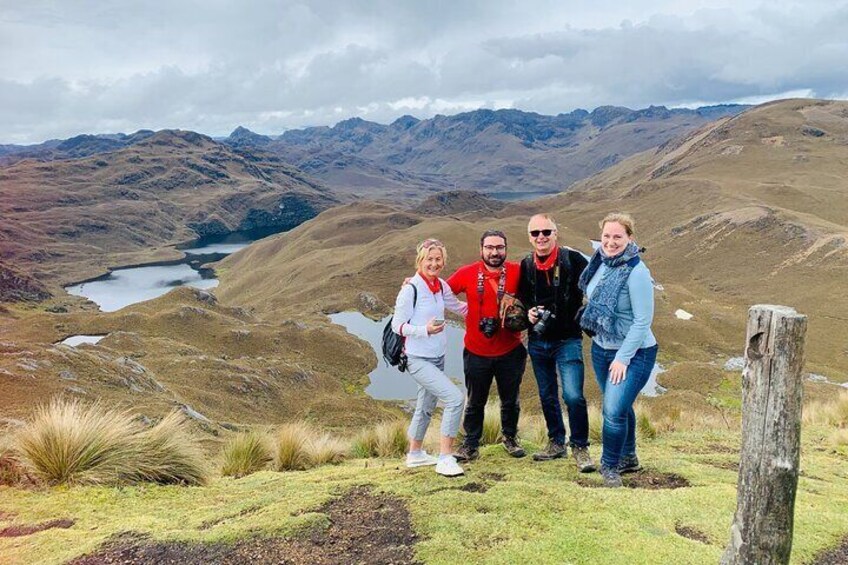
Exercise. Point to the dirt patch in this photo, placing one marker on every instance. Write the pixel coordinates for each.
(364, 528)
(709, 449)
(650, 479)
(834, 556)
(212, 523)
(726, 465)
(29, 529)
(689, 532)
(474, 487)
(497, 477)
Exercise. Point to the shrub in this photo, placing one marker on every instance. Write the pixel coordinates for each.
(325, 449)
(246, 453)
(68, 442)
(391, 438)
(291, 447)
(167, 454)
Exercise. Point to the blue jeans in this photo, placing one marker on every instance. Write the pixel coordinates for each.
(619, 433)
(567, 356)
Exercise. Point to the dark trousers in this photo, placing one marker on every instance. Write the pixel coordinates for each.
(507, 371)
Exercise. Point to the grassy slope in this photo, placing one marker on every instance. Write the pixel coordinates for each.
(537, 513)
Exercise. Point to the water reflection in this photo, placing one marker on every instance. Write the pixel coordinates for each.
(387, 383)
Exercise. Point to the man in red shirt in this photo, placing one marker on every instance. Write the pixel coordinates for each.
(491, 350)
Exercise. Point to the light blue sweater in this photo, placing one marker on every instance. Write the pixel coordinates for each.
(634, 312)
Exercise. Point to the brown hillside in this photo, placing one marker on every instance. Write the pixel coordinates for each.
(72, 219)
(751, 209)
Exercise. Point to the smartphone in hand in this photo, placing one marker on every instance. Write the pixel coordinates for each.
(439, 321)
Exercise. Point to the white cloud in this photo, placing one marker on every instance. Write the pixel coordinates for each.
(89, 66)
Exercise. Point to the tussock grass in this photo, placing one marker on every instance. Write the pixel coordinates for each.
(291, 452)
(12, 471)
(491, 423)
(391, 438)
(364, 445)
(830, 413)
(67, 442)
(839, 438)
(645, 428)
(246, 453)
(532, 428)
(167, 454)
(325, 449)
(596, 423)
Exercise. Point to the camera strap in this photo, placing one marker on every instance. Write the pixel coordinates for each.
(481, 283)
(556, 281)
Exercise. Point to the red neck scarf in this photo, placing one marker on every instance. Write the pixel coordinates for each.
(549, 261)
(435, 285)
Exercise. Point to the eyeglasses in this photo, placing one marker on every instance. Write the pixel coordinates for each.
(536, 233)
(491, 248)
(428, 243)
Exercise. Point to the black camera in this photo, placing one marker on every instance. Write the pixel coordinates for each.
(488, 326)
(545, 316)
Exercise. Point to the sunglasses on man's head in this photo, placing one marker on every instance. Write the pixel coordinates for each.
(536, 233)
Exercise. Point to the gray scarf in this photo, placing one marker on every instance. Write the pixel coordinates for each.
(599, 314)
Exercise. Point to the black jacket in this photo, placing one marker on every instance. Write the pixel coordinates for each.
(569, 298)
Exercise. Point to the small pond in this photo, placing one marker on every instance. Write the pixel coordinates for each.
(387, 383)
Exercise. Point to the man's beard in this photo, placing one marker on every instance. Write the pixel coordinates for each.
(494, 262)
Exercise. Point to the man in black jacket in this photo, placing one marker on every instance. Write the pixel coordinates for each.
(548, 286)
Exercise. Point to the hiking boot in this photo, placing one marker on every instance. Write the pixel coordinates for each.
(629, 464)
(612, 478)
(420, 459)
(552, 451)
(583, 459)
(512, 447)
(448, 467)
(466, 453)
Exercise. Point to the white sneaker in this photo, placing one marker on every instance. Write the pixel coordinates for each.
(421, 459)
(448, 467)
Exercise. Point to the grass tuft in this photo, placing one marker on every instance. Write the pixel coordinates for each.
(830, 413)
(67, 442)
(167, 454)
(644, 422)
(596, 424)
(532, 428)
(246, 453)
(324, 449)
(291, 447)
(364, 445)
(491, 423)
(391, 438)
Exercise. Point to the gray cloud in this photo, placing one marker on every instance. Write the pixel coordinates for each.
(90, 66)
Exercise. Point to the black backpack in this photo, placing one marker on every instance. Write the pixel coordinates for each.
(393, 353)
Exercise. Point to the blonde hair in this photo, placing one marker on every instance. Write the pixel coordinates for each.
(425, 246)
(621, 218)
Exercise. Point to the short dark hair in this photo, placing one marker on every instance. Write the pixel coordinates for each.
(491, 233)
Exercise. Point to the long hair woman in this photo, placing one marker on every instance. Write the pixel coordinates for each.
(618, 315)
(420, 317)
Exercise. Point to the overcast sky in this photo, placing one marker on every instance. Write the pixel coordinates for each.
(101, 66)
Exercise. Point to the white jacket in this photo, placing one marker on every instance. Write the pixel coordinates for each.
(412, 322)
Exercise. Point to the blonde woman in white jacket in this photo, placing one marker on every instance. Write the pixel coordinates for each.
(420, 317)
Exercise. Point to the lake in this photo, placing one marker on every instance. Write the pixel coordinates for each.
(123, 287)
(387, 383)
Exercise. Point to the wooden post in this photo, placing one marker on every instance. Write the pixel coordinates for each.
(771, 437)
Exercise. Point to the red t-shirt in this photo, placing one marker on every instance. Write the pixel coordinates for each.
(465, 280)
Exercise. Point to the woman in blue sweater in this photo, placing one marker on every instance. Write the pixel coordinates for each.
(618, 315)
